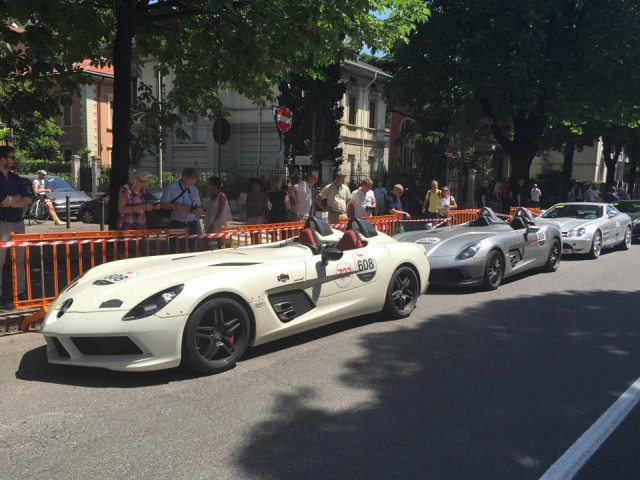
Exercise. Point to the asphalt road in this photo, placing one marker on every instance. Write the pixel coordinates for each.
(474, 385)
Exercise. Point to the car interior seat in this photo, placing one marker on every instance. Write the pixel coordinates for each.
(307, 238)
(481, 221)
(349, 241)
(518, 223)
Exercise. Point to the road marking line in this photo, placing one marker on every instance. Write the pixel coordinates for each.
(568, 465)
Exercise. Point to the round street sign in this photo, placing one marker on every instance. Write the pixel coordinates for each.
(450, 154)
(284, 119)
(221, 131)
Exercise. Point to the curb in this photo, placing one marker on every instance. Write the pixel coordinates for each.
(10, 321)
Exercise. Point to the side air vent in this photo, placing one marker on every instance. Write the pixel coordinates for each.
(290, 305)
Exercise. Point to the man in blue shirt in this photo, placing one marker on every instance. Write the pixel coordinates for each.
(393, 204)
(14, 198)
(183, 199)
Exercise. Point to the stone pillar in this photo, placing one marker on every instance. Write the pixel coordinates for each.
(471, 189)
(75, 171)
(95, 175)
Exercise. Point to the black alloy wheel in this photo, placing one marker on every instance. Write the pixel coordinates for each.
(87, 216)
(493, 270)
(402, 293)
(596, 246)
(216, 336)
(553, 260)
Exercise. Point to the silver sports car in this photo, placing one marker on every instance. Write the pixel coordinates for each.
(589, 227)
(488, 249)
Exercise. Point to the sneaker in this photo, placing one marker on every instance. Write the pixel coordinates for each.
(57, 222)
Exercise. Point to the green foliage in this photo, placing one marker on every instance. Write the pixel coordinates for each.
(27, 165)
(522, 66)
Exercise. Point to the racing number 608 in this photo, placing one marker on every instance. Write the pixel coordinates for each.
(364, 265)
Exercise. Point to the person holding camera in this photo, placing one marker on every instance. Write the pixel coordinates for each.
(363, 201)
(183, 199)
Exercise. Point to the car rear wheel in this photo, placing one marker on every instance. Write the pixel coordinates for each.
(493, 270)
(216, 336)
(596, 246)
(402, 293)
(626, 242)
(86, 216)
(553, 260)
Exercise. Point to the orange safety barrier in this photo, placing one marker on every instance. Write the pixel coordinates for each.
(389, 224)
(262, 233)
(53, 260)
(534, 211)
(463, 216)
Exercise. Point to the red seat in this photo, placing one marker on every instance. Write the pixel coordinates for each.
(349, 241)
(306, 238)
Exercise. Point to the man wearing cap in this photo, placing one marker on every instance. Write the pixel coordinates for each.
(39, 188)
(338, 196)
(14, 198)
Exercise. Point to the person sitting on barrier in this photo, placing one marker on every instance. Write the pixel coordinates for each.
(14, 198)
(132, 205)
(40, 189)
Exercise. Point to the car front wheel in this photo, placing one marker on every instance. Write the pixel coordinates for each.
(86, 216)
(402, 293)
(596, 246)
(216, 336)
(553, 260)
(493, 270)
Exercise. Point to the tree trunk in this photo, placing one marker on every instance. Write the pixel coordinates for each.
(633, 163)
(610, 161)
(122, 64)
(567, 165)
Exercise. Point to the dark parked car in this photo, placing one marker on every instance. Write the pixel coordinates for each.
(631, 208)
(91, 211)
(60, 189)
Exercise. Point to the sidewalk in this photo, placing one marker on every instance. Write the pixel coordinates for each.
(10, 319)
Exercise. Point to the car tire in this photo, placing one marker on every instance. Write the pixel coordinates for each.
(86, 216)
(493, 270)
(596, 246)
(553, 260)
(402, 293)
(626, 242)
(216, 336)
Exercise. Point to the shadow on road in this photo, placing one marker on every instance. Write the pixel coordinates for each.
(499, 393)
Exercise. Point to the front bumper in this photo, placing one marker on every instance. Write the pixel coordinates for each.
(103, 340)
(571, 245)
(635, 233)
(447, 271)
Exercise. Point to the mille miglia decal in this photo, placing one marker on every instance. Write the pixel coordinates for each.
(283, 277)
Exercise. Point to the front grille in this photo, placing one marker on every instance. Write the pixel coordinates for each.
(62, 352)
(106, 346)
(447, 275)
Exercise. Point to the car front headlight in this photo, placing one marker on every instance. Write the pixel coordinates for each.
(469, 251)
(576, 232)
(154, 303)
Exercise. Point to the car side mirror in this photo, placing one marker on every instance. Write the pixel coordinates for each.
(331, 254)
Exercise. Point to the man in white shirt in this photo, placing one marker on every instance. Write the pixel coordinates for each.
(39, 188)
(303, 192)
(363, 201)
(338, 197)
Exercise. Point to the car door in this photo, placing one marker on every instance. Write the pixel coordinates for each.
(612, 231)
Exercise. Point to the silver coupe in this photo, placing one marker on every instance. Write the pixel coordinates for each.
(587, 227)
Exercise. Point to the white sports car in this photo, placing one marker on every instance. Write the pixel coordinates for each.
(205, 309)
(587, 227)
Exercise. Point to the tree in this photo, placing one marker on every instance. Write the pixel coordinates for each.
(526, 65)
(315, 105)
(208, 44)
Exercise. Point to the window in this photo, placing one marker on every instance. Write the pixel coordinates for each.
(109, 154)
(110, 114)
(372, 114)
(66, 115)
(352, 110)
(66, 154)
(351, 159)
(405, 157)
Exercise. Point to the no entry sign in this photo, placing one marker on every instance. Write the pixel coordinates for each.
(284, 119)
